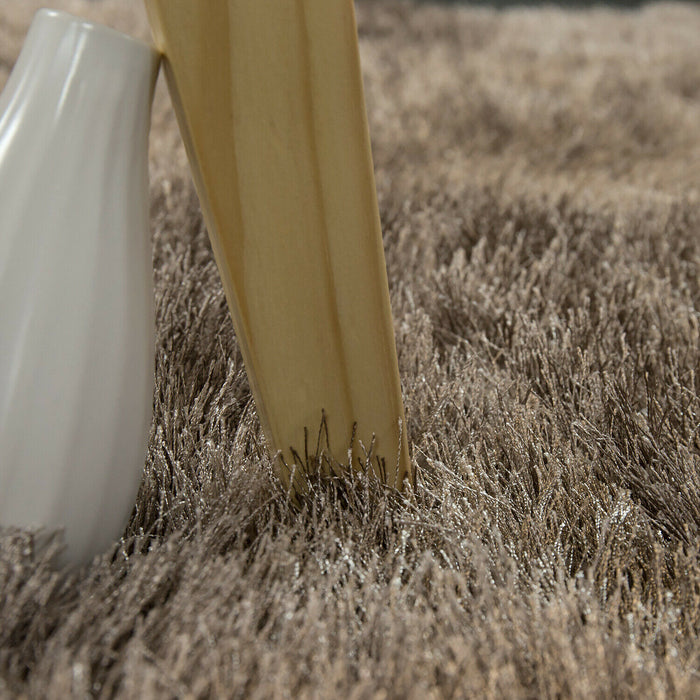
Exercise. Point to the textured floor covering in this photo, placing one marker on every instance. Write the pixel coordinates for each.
(538, 175)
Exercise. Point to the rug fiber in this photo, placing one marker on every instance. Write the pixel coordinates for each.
(538, 174)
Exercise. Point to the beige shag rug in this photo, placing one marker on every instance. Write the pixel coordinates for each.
(538, 175)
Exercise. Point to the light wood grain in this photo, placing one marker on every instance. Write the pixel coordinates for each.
(270, 103)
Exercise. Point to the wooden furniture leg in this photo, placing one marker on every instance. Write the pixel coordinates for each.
(269, 99)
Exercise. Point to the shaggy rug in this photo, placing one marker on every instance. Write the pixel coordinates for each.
(538, 175)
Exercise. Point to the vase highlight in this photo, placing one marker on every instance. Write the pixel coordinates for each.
(76, 306)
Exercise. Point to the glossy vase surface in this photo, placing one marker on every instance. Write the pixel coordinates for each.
(76, 304)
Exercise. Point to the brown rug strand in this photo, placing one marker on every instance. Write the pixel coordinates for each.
(538, 175)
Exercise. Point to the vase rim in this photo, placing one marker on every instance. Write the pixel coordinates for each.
(98, 30)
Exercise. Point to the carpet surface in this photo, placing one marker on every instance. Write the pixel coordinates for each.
(538, 175)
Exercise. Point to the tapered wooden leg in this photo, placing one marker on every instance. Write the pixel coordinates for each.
(269, 99)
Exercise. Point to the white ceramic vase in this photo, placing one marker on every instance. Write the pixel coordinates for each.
(76, 307)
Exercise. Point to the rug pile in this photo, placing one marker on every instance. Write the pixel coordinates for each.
(538, 174)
